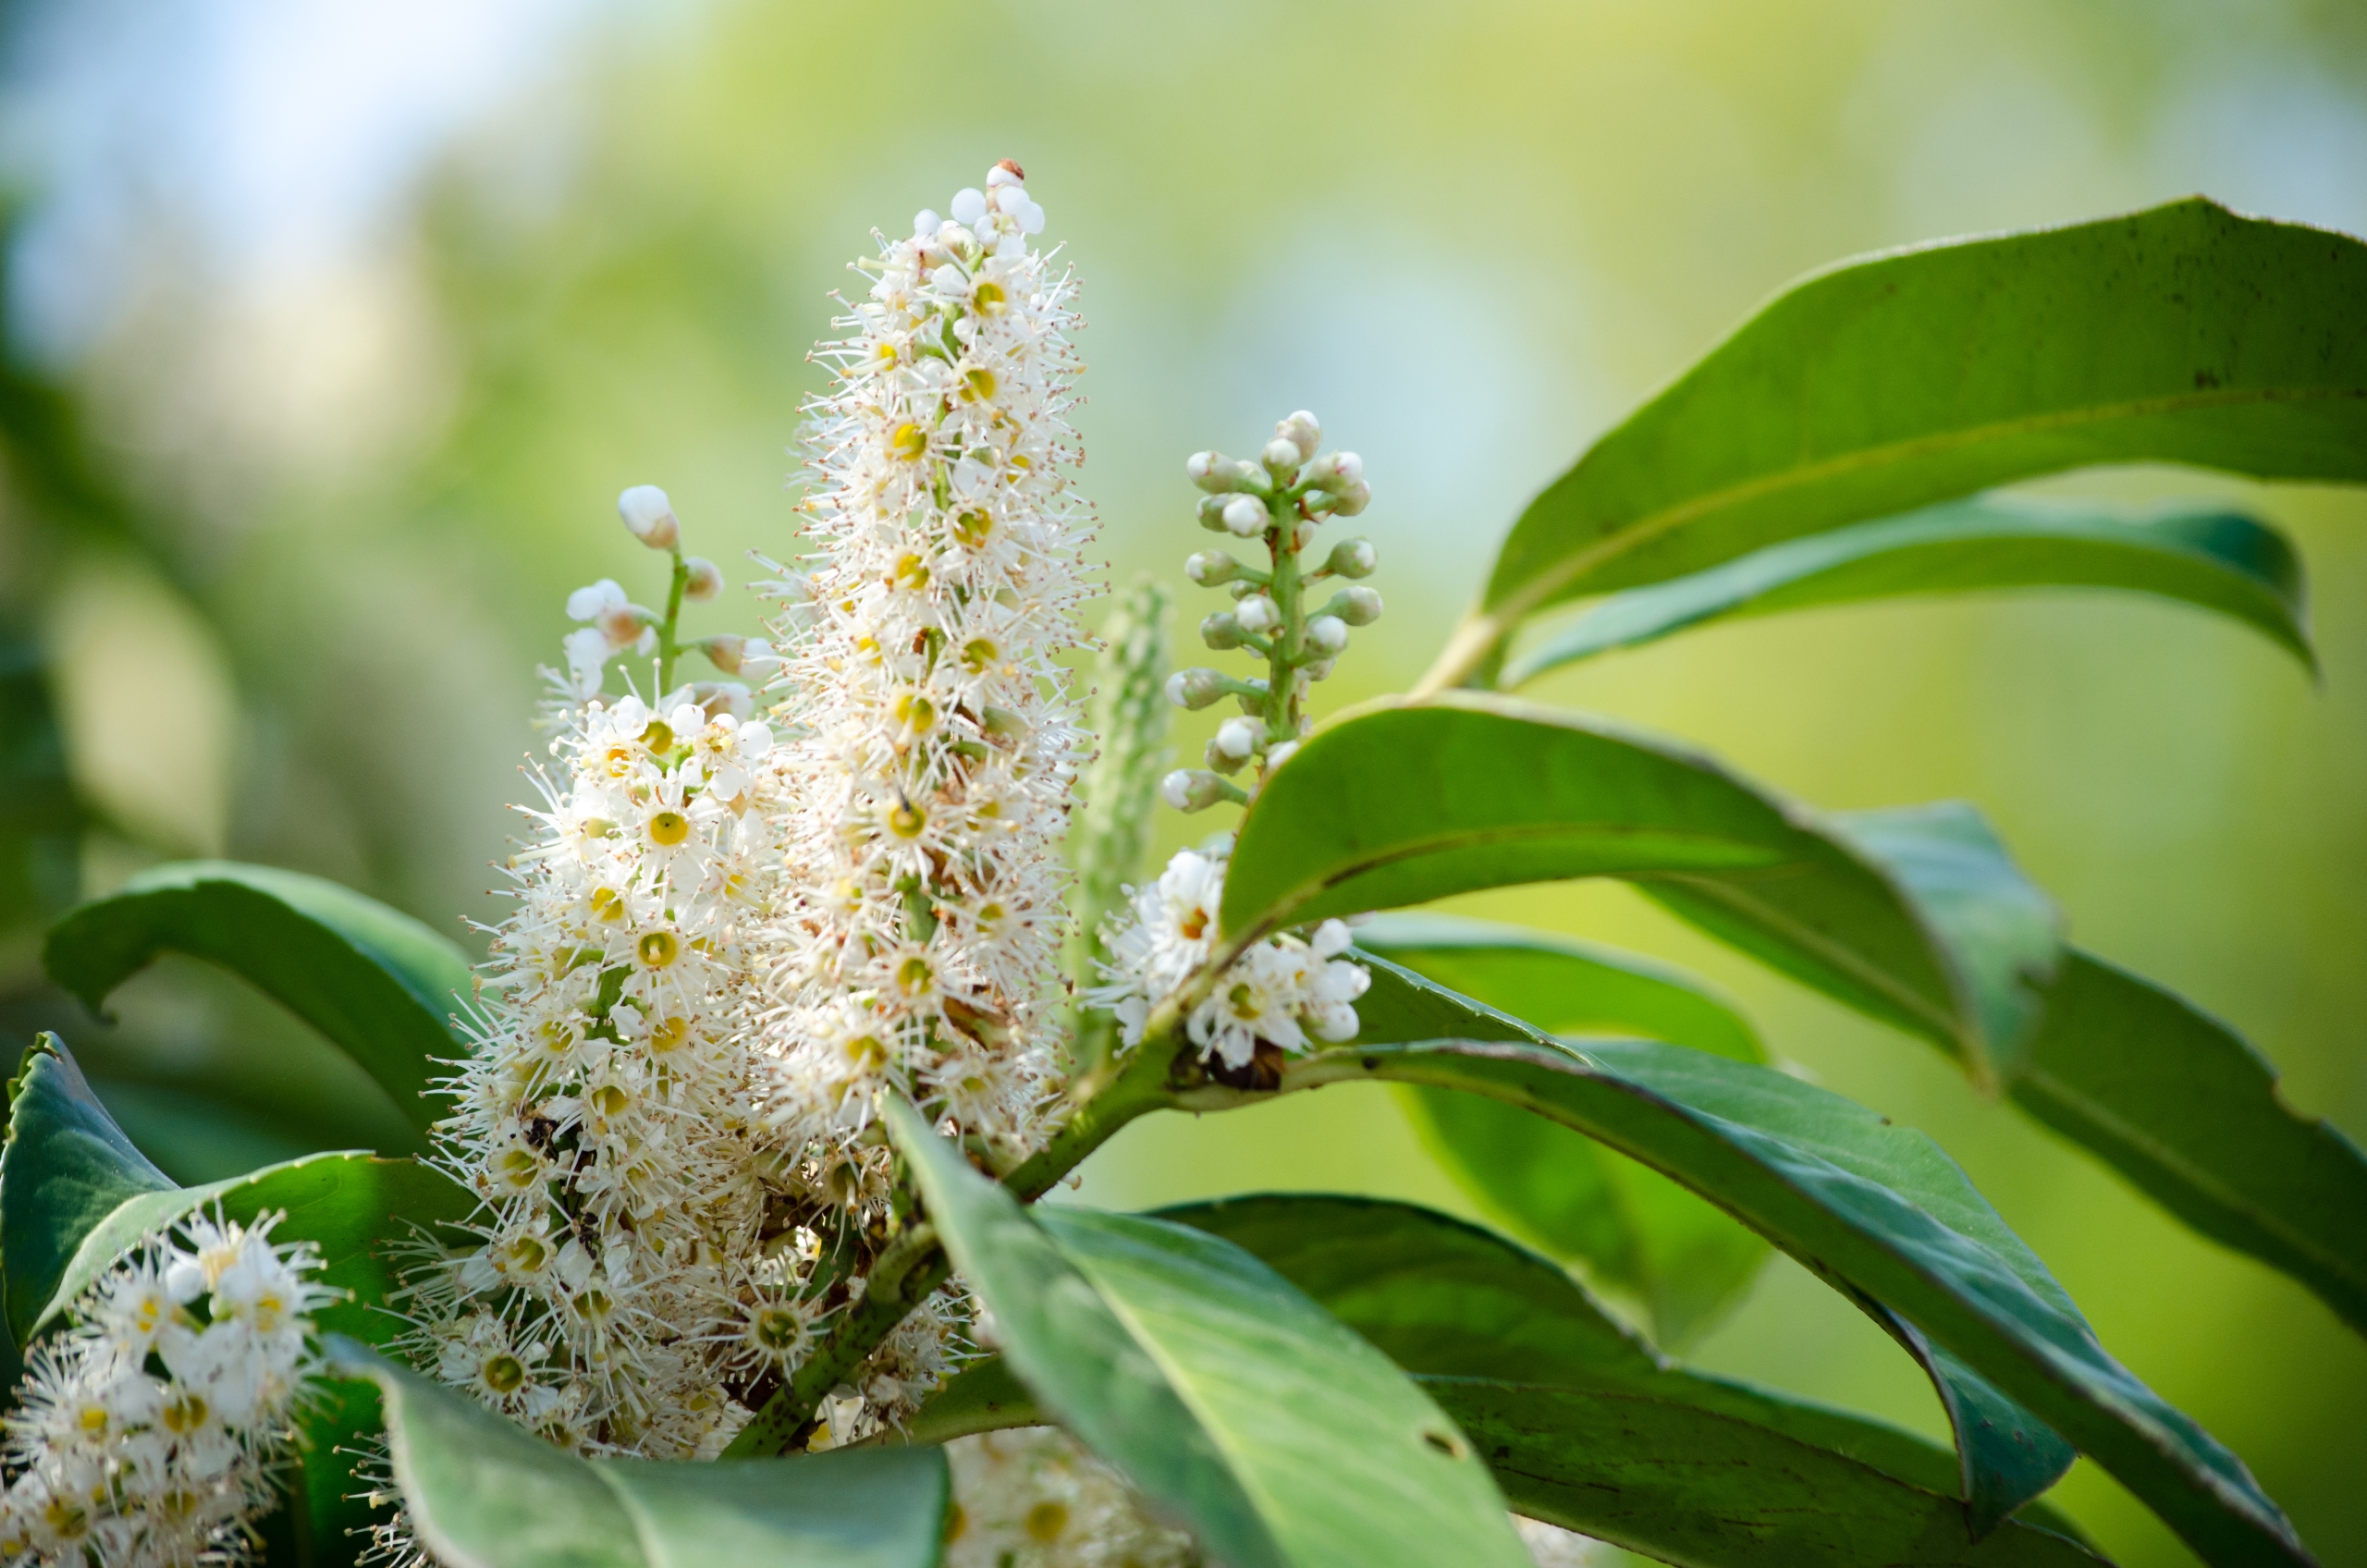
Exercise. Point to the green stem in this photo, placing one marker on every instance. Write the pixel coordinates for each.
(668, 649)
(1288, 592)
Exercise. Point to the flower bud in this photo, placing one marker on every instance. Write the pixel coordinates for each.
(1353, 499)
(1194, 689)
(586, 603)
(1353, 557)
(1220, 475)
(1190, 789)
(1303, 535)
(1244, 517)
(1220, 631)
(650, 516)
(925, 223)
(1301, 430)
(1219, 760)
(623, 625)
(1211, 569)
(1238, 738)
(969, 206)
(1258, 615)
(1277, 755)
(1319, 670)
(1212, 513)
(706, 579)
(1357, 607)
(726, 653)
(1334, 472)
(1281, 459)
(1327, 633)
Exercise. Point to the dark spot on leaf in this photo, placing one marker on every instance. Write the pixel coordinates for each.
(1444, 1442)
(1372, 1064)
(2205, 379)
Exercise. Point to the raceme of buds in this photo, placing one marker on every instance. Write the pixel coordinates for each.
(1192, 789)
(1281, 500)
(704, 579)
(650, 516)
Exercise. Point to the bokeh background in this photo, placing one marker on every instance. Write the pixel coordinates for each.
(334, 328)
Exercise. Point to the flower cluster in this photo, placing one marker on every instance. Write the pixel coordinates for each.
(150, 1430)
(619, 1297)
(936, 748)
(1276, 994)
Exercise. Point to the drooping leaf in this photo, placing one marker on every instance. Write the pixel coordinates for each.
(1690, 1487)
(1879, 1211)
(485, 1492)
(1407, 800)
(2170, 1098)
(67, 1165)
(1447, 1300)
(2214, 559)
(2182, 1107)
(1226, 1396)
(1635, 1228)
(379, 985)
(2184, 334)
(2008, 1456)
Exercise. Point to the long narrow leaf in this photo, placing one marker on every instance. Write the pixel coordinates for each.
(1635, 1230)
(1407, 800)
(485, 1492)
(1228, 1398)
(1863, 1203)
(2007, 1455)
(2214, 560)
(381, 986)
(2183, 333)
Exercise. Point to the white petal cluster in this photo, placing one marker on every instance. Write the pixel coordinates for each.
(150, 1432)
(1278, 992)
(618, 1297)
(936, 748)
(1034, 1499)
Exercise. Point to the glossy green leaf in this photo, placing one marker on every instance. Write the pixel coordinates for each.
(2182, 1107)
(1686, 1486)
(2171, 1098)
(379, 985)
(2008, 1456)
(1280, 1436)
(483, 1493)
(1406, 801)
(1880, 1210)
(1443, 1299)
(1635, 1230)
(2184, 334)
(66, 1167)
(2213, 559)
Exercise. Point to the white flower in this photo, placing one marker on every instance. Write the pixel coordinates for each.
(101, 1455)
(1276, 993)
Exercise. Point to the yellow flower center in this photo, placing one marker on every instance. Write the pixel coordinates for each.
(989, 299)
(777, 1329)
(978, 653)
(668, 828)
(658, 949)
(1046, 1521)
(504, 1373)
(909, 441)
(907, 820)
(977, 384)
(973, 526)
(668, 1033)
(867, 1053)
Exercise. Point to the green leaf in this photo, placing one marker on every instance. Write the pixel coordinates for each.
(2008, 1455)
(2171, 1098)
(1636, 1230)
(1280, 1436)
(67, 1165)
(2184, 334)
(1882, 1212)
(2216, 560)
(1690, 1487)
(484, 1493)
(1406, 801)
(379, 985)
(2189, 1112)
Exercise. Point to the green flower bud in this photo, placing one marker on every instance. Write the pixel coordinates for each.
(1211, 569)
(1353, 557)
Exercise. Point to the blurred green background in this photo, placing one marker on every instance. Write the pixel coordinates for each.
(334, 331)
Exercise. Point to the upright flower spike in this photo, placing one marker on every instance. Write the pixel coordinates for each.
(617, 1297)
(934, 748)
(150, 1430)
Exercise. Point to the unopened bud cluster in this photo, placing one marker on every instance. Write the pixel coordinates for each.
(614, 624)
(1279, 499)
